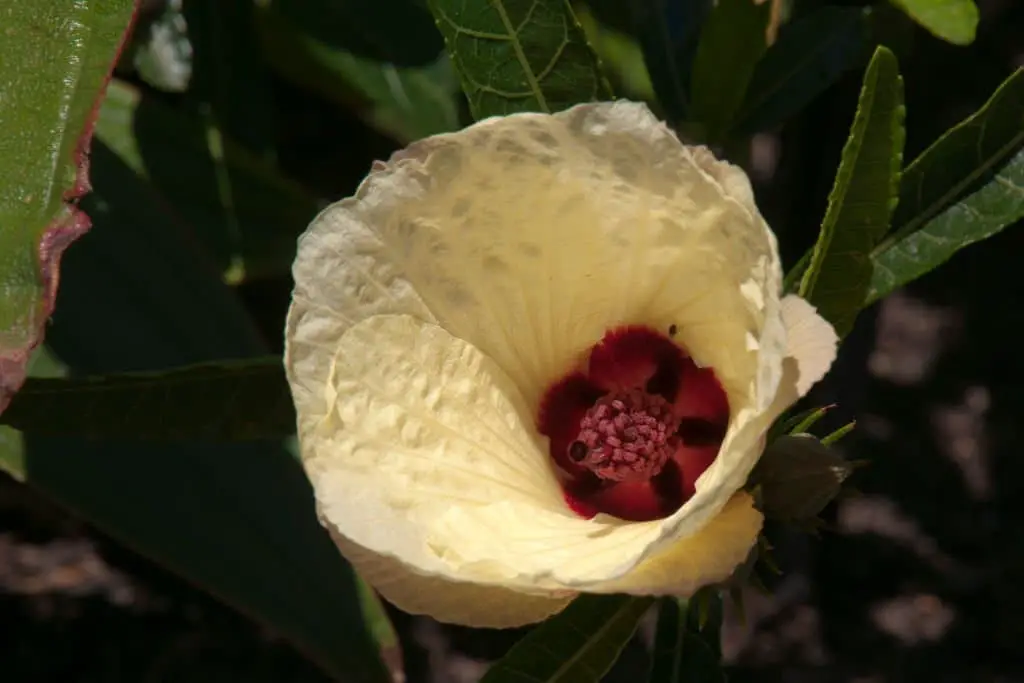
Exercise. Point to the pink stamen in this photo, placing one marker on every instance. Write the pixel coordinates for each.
(626, 436)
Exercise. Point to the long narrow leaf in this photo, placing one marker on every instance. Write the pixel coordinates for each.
(809, 56)
(978, 216)
(669, 31)
(519, 55)
(685, 649)
(962, 156)
(731, 44)
(862, 198)
(577, 646)
(227, 401)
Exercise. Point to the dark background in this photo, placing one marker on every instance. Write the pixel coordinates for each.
(921, 577)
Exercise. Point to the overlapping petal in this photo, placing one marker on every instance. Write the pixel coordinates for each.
(433, 309)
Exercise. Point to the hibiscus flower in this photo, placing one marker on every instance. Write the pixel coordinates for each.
(538, 357)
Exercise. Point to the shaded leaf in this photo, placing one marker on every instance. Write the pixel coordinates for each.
(407, 103)
(976, 217)
(669, 31)
(961, 157)
(731, 43)
(12, 442)
(57, 58)
(620, 55)
(251, 230)
(862, 199)
(955, 21)
(519, 55)
(809, 56)
(227, 401)
(230, 86)
(578, 645)
(797, 477)
(138, 296)
(687, 642)
(398, 32)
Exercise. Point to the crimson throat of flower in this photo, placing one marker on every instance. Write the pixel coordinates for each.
(631, 434)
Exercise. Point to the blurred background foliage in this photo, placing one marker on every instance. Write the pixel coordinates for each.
(229, 124)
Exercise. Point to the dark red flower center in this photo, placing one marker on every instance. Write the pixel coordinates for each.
(632, 433)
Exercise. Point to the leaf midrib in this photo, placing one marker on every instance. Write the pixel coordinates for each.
(595, 637)
(517, 47)
(810, 279)
(944, 202)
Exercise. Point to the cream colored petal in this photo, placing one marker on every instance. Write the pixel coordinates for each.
(529, 236)
(811, 341)
(708, 556)
(426, 456)
(419, 422)
(449, 601)
(525, 238)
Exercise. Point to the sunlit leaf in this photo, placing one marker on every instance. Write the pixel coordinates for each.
(56, 59)
(577, 646)
(519, 55)
(810, 55)
(978, 216)
(955, 21)
(731, 43)
(960, 158)
(862, 199)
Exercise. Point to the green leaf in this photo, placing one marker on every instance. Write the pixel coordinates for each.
(809, 56)
(687, 642)
(519, 55)
(12, 442)
(731, 43)
(620, 54)
(238, 520)
(669, 32)
(797, 476)
(976, 217)
(407, 103)
(230, 86)
(960, 158)
(251, 228)
(57, 57)
(399, 32)
(577, 646)
(955, 21)
(214, 402)
(862, 199)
